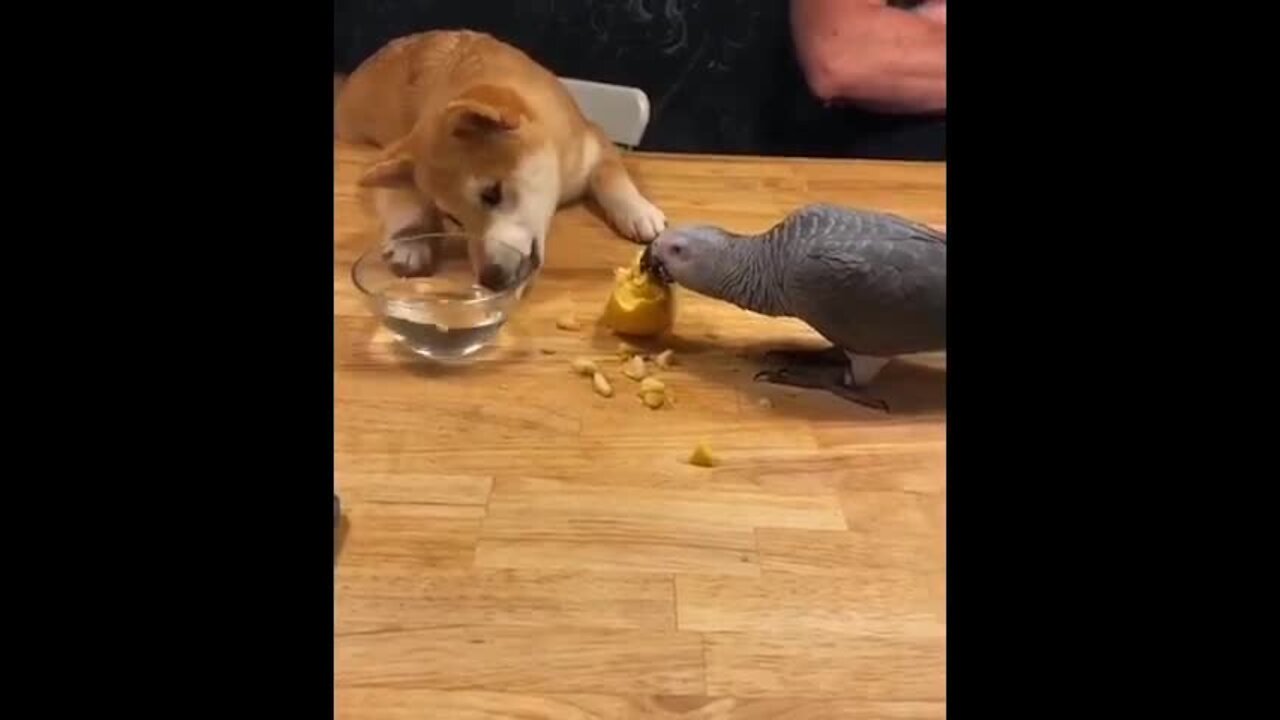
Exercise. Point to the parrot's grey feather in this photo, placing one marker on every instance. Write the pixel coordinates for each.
(871, 283)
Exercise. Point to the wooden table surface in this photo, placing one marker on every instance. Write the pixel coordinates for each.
(517, 546)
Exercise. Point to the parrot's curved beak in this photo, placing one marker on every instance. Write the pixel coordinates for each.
(652, 267)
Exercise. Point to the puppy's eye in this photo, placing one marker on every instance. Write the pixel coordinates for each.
(491, 195)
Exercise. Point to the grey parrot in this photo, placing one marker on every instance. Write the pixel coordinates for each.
(873, 284)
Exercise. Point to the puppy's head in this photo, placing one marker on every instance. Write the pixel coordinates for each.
(488, 170)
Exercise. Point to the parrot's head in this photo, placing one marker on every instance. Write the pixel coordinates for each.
(692, 256)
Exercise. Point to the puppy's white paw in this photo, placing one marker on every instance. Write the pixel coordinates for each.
(409, 257)
(638, 219)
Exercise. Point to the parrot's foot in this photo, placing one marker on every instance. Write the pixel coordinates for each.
(835, 370)
(829, 377)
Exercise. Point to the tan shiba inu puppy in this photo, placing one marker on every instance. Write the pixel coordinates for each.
(478, 136)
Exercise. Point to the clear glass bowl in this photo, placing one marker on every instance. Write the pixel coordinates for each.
(445, 317)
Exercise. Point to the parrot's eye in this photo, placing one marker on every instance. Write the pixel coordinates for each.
(676, 249)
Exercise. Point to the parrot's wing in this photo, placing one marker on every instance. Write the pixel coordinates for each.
(834, 218)
(881, 291)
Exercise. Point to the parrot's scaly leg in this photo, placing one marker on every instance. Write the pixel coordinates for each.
(863, 369)
(832, 356)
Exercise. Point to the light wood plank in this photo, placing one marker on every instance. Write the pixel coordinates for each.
(814, 665)
(582, 525)
(402, 483)
(377, 600)
(887, 530)
(848, 554)
(437, 536)
(881, 603)
(400, 704)
(523, 660)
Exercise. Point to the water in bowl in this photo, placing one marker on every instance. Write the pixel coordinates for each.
(452, 326)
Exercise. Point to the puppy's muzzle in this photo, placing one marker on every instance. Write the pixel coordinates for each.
(508, 267)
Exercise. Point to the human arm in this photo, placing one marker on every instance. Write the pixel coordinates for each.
(864, 53)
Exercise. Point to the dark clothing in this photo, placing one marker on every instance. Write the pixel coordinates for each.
(721, 75)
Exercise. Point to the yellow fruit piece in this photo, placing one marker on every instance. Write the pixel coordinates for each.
(702, 456)
(665, 359)
(639, 304)
(583, 366)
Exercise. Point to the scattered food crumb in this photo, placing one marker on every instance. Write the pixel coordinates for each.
(568, 322)
(764, 402)
(635, 368)
(548, 351)
(665, 359)
(702, 456)
(652, 384)
(583, 366)
(653, 399)
(601, 385)
(626, 352)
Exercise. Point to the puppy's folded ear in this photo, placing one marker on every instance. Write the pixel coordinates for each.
(485, 109)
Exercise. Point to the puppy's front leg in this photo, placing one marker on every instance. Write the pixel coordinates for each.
(633, 215)
(404, 221)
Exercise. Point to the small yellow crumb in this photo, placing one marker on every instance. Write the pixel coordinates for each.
(583, 366)
(625, 351)
(665, 359)
(702, 456)
(653, 399)
(652, 384)
(568, 322)
(635, 368)
(764, 402)
(601, 385)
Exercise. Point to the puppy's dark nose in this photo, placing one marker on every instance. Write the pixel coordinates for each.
(494, 277)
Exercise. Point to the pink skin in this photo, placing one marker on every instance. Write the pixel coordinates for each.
(935, 11)
(862, 52)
